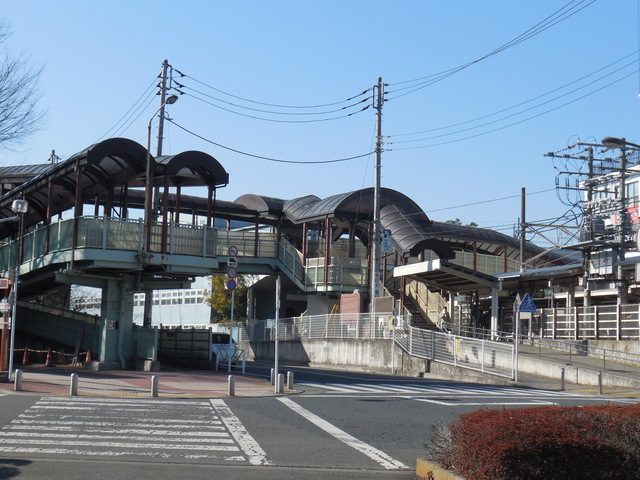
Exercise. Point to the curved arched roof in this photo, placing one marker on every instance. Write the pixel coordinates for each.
(350, 205)
(490, 242)
(104, 165)
(409, 237)
(192, 169)
(265, 206)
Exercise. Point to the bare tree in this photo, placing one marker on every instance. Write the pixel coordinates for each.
(19, 95)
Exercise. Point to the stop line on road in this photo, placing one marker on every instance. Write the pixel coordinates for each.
(166, 429)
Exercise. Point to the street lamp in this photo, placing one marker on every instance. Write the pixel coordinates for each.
(612, 143)
(171, 99)
(148, 205)
(19, 207)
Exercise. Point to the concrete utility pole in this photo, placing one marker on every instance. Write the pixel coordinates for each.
(523, 229)
(376, 233)
(148, 294)
(163, 99)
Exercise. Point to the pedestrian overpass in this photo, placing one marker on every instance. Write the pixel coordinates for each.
(80, 228)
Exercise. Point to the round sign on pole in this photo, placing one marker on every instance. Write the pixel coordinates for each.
(231, 284)
(233, 251)
(231, 272)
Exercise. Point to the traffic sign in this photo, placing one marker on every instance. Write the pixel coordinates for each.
(527, 305)
(232, 272)
(231, 284)
(233, 251)
(232, 262)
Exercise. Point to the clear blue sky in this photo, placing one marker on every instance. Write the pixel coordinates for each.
(100, 58)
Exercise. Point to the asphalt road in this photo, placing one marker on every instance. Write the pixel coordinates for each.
(337, 425)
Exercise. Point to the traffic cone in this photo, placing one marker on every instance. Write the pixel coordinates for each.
(48, 363)
(88, 357)
(25, 357)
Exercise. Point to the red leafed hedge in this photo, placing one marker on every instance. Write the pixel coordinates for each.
(592, 443)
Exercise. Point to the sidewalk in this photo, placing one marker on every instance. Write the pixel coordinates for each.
(579, 369)
(40, 380)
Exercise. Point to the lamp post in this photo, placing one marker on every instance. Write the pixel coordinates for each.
(148, 205)
(19, 207)
(613, 143)
(148, 201)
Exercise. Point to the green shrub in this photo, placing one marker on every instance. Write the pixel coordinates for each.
(595, 443)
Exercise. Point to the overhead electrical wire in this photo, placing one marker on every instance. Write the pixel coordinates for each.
(482, 117)
(323, 105)
(632, 63)
(273, 112)
(129, 114)
(270, 159)
(274, 119)
(520, 121)
(552, 20)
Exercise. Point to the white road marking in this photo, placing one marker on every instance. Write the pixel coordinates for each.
(111, 453)
(247, 443)
(377, 455)
(56, 426)
(480, 404)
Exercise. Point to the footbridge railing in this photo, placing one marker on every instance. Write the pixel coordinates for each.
(44, 243)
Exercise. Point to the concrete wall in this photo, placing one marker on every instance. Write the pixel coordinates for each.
(376, 356)
(363, 355)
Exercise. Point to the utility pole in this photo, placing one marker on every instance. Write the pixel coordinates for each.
(377, 196)
(148, 294)
(163, 98)
(523, 229)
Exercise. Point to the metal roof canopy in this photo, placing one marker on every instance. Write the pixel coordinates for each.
(409, 237)
(446, 276)
(350, 205)
(491, 242)
(105, 165)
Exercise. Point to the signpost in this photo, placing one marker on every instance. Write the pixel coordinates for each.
(232, 271)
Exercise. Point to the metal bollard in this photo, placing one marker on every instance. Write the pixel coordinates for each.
(273, 376)
(562, 379)
(280, 385)
(73, 387)
(289, 380)
(17, 386)
(154, 385)
(231, 386)
(599, 382)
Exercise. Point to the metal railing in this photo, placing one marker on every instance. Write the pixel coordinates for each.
(486, 356)
(597, 322)
(342, 326)
(481, 355)
(571, 349)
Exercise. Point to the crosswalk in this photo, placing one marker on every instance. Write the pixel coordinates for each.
(431, 389)
(107, 427)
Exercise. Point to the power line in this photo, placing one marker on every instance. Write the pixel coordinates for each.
(552, 20)
(136, 107)
(520, 121)
(276, 120)
(325, 112)
(323, 105)
(516, 113)
(267, 158)
(526, 101)
(488, 201)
